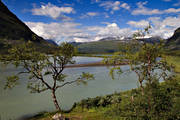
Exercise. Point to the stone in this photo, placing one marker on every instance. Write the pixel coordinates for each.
(57, 116)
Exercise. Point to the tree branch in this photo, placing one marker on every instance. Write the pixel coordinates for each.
(66, 83)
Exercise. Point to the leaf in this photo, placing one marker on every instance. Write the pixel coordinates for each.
(84, 77)
(11, 82)
(47, 73)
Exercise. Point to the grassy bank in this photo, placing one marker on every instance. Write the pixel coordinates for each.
(175, 61)
(95, 55)
(94, 112)
(90, 109)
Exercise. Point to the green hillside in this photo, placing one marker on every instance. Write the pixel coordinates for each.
(13, 31)
(108, 45)
(99, 47)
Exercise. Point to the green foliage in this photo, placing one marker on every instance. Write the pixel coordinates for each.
(100, 101)
(37, 65)
(154, 104)
(100, 47)
(11, 82)
(83, 77)
(167, 102)
(151, 100)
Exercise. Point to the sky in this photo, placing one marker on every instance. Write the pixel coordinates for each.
(92, 20)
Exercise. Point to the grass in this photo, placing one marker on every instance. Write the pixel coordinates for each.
(175, 62)
(106, 113)
(79, 114)
(100, 113)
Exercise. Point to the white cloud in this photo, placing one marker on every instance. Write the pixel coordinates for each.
(89, 14)
(69, 31)
(172, 22)
(160, 27)
(114, 30)
(52, 11)
(92, 13)
(99, 32)
(125, 6)
(166, 0)
(177, 4)
(142, 10)
(139, 24)
(111, 5)
(172, 10)
(95, 1)
(59, 32)
(114, 5)
(106, 15)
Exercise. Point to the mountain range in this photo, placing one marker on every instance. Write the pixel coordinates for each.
(114, 44)
(13, 31)
(109, 44)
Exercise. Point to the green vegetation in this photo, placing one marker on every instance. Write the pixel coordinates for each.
(37, 65)
(152, 100)
(111, 46)
(175, 62)
(100, 47)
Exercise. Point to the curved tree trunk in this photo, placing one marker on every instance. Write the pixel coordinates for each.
(55, 101)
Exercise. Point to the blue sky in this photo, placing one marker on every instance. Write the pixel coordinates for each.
(91, 20)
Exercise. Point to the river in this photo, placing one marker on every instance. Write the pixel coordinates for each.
(19, 102)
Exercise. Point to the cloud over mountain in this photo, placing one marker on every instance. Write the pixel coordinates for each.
(69, 31)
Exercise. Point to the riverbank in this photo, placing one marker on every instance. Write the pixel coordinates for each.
(94, 64)
(92, 112)
(108, 112)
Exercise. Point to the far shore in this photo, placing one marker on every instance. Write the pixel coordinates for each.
(94, 64)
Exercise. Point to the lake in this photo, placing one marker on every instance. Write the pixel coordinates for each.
(19, 102)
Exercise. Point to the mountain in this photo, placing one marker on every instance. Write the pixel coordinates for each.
(123, 39)
(99, 47)
(52, 42)
(173, 42)
(108, 44)
(75, 44)
(13, 31)
(152, 40)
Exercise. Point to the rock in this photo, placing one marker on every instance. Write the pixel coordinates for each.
(57, 116)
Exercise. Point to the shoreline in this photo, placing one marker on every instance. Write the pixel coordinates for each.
(94, 64)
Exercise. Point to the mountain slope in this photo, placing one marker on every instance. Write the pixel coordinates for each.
(108, 45)
(174, 42)
(14, 31)
(99, 47)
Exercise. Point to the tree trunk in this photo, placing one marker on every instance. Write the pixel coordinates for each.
(55, 101)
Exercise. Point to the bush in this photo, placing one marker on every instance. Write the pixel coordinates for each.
(100, 101)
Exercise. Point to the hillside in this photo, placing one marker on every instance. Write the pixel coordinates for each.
(108, 45)
(13, 31)
(174, 42)
(99, 47)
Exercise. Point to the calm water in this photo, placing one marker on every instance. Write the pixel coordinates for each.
(18, 102)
